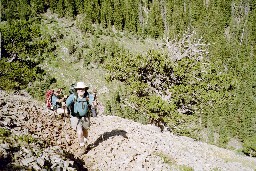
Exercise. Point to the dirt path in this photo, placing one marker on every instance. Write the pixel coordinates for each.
(116, 143)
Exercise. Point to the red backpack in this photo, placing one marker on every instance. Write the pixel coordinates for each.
(48, 98)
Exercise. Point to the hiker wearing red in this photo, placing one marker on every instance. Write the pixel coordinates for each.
(48, 99)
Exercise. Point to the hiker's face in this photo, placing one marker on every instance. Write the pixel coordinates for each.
(80, 92)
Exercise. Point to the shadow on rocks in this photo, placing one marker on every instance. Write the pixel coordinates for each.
(104, 137)
(6, 162)
(78, 163)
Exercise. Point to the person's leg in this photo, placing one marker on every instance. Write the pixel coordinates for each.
(85, 133)
(77, 125)
(86, 126)
(80, 134)
(73, 122)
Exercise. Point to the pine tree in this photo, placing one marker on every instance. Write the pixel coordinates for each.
(131, 15)
(60, 8)
(118, 15)
(155, 23)
(88, 9)
(9, 10)
(252, 24)
(169, 18)
(53, 5)
(79, 6)
(37, 6)
(95, 12)
(24, 9)
(106, 13)
(109, 12)
(69, 6)
(103, 20)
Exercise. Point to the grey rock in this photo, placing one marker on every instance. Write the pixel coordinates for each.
(40, 161)
(36, 167)
(26, 161)
(5, 146)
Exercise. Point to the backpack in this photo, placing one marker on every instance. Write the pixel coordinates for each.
(72, 89)
(88, 106)
(48, 98)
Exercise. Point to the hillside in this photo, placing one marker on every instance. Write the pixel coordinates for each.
(189, 64)
(114, 143)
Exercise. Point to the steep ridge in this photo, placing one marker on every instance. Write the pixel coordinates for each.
(114, 143)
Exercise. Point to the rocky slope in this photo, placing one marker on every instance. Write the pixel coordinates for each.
(33, 138)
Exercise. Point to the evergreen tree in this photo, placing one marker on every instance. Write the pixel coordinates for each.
(53, 5)
(37, 6)
(79, 6)
(69, 6)
(176, 16)
(131, 15)
(9, 10)
(103, 20)
(169, 18)
(23, 9)
(106, 13)
(118, 15)
(155, 22)
(60, 8)
(88, 9)
(96, 11)
(127, 10)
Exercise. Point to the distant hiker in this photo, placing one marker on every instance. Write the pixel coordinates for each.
(94, 103)
(48, 99)
(61, 95)
(79, 106)
(57, 101)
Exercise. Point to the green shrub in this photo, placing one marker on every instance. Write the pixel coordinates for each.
(4, 132)
(249, 146)
(26, 138)
(16, 75)
(23, 50)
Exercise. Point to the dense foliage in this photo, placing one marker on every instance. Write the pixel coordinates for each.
(23, 49)
(203, 84)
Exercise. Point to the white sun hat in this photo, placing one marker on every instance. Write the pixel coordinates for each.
(80, 85)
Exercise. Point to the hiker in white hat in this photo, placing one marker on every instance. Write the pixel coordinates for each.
(79, 106)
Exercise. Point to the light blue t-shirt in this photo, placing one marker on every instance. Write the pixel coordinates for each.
(54, 101)
(79, 107)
